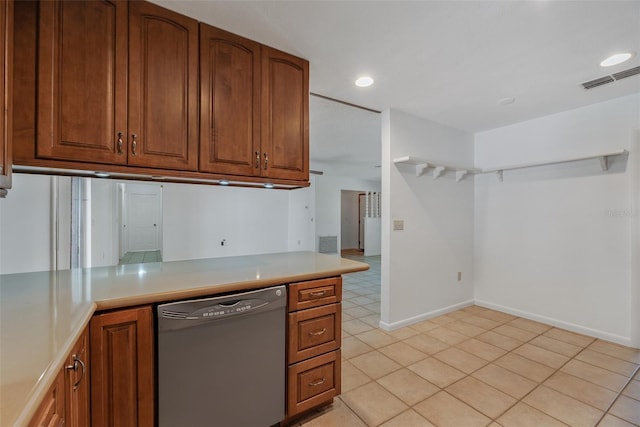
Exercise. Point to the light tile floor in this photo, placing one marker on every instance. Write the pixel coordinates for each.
(141, 257)
(474, 367)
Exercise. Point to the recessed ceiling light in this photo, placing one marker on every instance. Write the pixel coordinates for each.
(223, 182)
(616, 59)
(506, 101)
(364, 81)
(268, 185)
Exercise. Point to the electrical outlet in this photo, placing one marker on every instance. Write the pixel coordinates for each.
(459, 276)
(398, 224)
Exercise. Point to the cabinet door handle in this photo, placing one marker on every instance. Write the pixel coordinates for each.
(257, 159)
(77, 361)
(266, 161)
(119, 142)
(134, 144)
(318, 333)
(317, 294)
(317, 382)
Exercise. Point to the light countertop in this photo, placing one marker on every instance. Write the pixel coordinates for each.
(42, 314)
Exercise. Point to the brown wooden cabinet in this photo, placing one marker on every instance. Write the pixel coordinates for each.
(122, 374)
(67, 401)
(50, 413)
(313, 344)
(285, 115)
(254, 107)
(6, 89)
(129, 87)
(86, 112)
(163, 88)
(82, 81)
(229, 103)
(78, 384)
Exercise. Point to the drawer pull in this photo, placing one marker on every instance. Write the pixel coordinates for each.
(74, 367)
(317, 382)
(318, 294)
(317, 333)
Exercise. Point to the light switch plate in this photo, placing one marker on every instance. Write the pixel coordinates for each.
(398, 224)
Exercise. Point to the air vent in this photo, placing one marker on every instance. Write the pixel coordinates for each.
(598, 82)
(612, 78)
(626, 73)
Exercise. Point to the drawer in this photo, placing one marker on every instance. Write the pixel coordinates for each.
(313, 382)
(314, 331)
(314, 293)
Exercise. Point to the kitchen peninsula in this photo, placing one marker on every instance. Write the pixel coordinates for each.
(44, 313)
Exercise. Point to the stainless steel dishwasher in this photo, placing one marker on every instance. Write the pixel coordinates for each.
(221, 361)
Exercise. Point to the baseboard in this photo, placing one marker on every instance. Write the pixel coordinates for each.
(626, 341)
(415, 319)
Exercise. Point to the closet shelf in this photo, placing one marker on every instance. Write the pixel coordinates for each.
(438, 167)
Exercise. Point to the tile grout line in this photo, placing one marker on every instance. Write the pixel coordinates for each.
(618, 396)
(502, 323)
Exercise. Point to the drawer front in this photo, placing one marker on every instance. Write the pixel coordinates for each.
(313, 382)
(314, 293)
(314, 331)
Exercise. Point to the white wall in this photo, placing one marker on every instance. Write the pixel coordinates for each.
(25, 225)
(328, 200)
(420, 264)
(301, 221)
(349, 224)
(198, 217)
(553, 243)
(104, 223)
(372, 232)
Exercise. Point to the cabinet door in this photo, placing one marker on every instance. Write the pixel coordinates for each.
(82, 71)
(6, 43)
(163, 88)
(122, 369)
(285, 116)
(50, 413)
(229, 103)
(77, 383)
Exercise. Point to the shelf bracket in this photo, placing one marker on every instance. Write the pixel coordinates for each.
(438, 171)
(499, 175)
(604, 163)
(421, 168)
(460, 174)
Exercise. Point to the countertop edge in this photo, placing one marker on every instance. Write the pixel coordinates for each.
(51, 372)
(151, 298)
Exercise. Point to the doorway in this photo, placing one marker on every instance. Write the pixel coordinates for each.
(352, 233)
(141, 228)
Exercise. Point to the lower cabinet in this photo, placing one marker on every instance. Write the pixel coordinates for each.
(122, 363)
(67, 401)
(50, 413)
(77, 384)
(313, 344)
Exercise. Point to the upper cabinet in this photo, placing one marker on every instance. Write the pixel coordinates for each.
(163, 88)
(6, 63)
(82, 81)
(133, 88)
(285, 115)
(254, 108)
(86, 51)
(229, 103)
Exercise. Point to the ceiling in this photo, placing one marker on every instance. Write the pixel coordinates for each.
(446, 61)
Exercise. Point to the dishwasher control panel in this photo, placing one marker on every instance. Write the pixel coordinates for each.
(228, 308)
